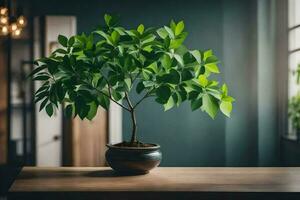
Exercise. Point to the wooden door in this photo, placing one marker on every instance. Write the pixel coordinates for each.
(89, 140)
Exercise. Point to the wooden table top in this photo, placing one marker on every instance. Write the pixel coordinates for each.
(163, 179)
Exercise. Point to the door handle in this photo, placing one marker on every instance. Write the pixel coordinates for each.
(56, 137)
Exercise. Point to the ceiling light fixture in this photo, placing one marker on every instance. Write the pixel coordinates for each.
(10, 23)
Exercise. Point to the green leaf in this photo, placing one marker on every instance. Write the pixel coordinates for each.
(103, 34)
(177, 98)
(162, 33)
(72, 95)
(63, 40)
(196, 55)
(120, 30)
(166, 61)
(203, 80)
(214, 92)
(81, 107)
(207, 54)
(115, 36)
(69, 111)
(116, 95)
(173, 77)
(104, 102)
(154, 67)
(43, 104)
(224, 89)
(52, 68)
(182, 50)
(37, 70)
(179, 28)
(146, 74)
(189, 59)
(193, 95)
(228, 98)
(212, 67)
(170, 104)
(176, 43)
(141, 29)
(211, 59)
(107, 19)
(179, 59)
(71, 41)
(42, 93)
(195, 104)
(140, 87)
(83, 111)
(52, 93)
(186, 75)
(210, 105)
(163, 92)
(41, 78)
(213, 83)
(93, 111)
(126, 84)
(173, 25)
(226, 108)
(101, 83)
(148, 40)
(49, 109)
(60, 51)
(60, 93)
(37, 99)
(170, 32)
(133, 33)
(167, 42)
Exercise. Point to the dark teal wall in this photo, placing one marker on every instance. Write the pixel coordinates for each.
(188, 138)
(267, 124)
(240, 57)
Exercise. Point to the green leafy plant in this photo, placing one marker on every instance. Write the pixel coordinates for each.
(111, 63)
(294, 111)
(294, 104)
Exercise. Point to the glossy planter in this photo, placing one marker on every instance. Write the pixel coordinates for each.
(133, 160)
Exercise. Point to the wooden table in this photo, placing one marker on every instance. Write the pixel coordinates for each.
(161, 183)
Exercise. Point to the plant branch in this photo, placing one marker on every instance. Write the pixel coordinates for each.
(133, 119)
(109, 96)
(144, 97)
(128, 101)
(109, 90)
(113, 100)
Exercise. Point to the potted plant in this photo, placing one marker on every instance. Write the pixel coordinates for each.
(111, 63)
(294, 106)
(294, 113)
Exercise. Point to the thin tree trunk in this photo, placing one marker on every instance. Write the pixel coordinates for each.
(133, 119)
(134, 127)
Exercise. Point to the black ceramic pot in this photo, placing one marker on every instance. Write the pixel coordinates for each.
(133, 160)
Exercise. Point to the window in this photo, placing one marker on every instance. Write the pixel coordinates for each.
(294, 61)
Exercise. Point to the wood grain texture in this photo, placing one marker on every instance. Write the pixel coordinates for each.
(70, 179)
(89, 140)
